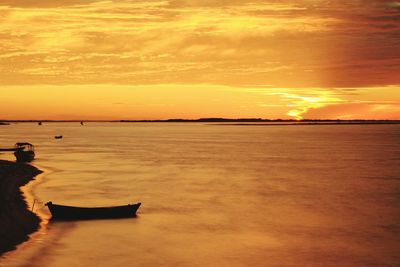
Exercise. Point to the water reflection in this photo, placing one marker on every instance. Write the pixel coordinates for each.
(219, 195)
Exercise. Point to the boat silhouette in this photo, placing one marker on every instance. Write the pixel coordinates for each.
(62, 212)
(24, 152)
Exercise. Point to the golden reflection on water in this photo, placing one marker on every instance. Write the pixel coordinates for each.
(219, 195)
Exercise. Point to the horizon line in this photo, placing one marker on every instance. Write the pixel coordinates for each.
(201, 120)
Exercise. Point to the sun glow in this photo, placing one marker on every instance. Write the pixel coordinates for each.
(191, 101)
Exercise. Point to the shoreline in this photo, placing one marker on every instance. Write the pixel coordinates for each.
(17, 222)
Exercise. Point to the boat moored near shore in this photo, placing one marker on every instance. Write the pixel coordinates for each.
(62, 212)
(24, 152)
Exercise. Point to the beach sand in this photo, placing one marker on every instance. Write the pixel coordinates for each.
(16, 219)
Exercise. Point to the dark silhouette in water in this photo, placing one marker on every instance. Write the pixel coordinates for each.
(24, 152)
(61, 212)
(81, 122)
(39, 123)
(58, 137)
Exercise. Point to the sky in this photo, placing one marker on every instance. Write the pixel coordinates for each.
(132, 59)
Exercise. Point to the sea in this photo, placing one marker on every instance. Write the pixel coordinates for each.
(214, 195)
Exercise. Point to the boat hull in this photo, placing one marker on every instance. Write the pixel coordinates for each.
(24, 156)
(61, 212)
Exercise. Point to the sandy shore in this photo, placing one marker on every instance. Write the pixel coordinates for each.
(16, 219)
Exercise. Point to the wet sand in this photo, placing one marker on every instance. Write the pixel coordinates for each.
(16, 219)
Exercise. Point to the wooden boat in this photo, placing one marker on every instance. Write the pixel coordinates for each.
(58, 137)
(61, 212)
(24, 152)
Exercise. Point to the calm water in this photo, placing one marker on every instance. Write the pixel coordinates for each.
(216, 195)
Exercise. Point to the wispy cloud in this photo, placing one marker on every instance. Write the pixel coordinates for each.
(302, 103)
(284, 43)
(299, 103)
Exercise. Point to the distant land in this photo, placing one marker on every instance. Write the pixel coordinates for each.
(238, 121)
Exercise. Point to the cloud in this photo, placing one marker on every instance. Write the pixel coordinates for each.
(282, 43)
(301, 102)
(43, 3)
(357, 111)
(317, 103)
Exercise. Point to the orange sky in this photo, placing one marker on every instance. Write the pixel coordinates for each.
(125, 59)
